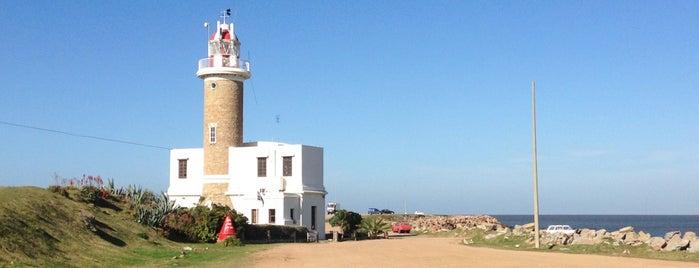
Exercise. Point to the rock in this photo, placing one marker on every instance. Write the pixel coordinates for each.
(490, 236)
(627, 229)
(630, 238)
(670, 235)
(676, 243)
(643, 237)
(601, 232)
(528, 226)
(187, 248)
(690, 235)
(693, 245)
(486, 226)
(657, 243)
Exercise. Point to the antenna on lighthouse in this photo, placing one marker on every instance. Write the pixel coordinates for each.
(225, 15)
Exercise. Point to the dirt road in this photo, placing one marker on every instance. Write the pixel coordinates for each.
(420, 251)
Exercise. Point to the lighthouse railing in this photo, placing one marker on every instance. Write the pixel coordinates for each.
(216, 62)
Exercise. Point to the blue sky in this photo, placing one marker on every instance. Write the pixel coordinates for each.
(419, 105)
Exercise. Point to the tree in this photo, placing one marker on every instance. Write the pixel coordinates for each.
(347, 220)
(374, 226)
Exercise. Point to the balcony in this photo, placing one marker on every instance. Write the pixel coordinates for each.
(240, 69)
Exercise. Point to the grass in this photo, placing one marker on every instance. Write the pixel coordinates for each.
(45, 229)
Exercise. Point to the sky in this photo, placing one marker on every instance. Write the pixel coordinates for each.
(419, 105)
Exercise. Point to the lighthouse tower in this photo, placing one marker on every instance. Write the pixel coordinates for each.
(268, 182)
(223, 73)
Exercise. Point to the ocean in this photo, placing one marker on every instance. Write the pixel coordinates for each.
(656, 225)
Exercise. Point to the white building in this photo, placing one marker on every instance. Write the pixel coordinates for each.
(268, 182)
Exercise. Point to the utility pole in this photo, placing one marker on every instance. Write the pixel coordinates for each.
(536, 179)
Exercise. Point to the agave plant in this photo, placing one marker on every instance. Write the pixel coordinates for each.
(374, 226)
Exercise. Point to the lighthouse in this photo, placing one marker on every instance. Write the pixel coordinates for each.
(268, 182)
(223, 73)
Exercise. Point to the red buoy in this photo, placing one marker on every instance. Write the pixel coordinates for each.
(227, 229)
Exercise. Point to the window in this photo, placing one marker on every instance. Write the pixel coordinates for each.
(182, 168)
(212, 133)
(313, 217)
(262, 166)
(291, 215)
(287, 165)
(254, 216)
(272, 216)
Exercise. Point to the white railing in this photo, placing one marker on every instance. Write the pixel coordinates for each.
(224, 62)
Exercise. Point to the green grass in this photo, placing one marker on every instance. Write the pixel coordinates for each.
(45, 229)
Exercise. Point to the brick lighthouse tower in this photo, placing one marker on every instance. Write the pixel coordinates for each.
(223, 73)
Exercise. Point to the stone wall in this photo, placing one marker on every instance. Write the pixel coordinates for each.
(216, 193)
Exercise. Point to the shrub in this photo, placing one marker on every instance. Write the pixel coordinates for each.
(274, 233)
(59, 190)
(347, 220)
(374, 226)
(90, 194)
(200, 224)
(232, 241)
(143, 235)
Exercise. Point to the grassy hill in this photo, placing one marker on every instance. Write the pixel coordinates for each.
(42, 228)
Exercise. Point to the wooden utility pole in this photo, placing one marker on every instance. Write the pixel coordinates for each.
(536, 179)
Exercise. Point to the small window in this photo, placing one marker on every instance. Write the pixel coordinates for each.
(272, 216)
(287, 166)
(262, 167)
(253, 216)
(212, 134)
(182, 171)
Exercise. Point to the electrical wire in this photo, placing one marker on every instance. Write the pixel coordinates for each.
(83, 135)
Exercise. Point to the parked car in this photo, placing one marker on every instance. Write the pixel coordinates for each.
(373, 211)
(386, 211)
(332, 207)
(555, 229)
(402, 227)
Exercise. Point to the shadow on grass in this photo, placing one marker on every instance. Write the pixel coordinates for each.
(107, 237)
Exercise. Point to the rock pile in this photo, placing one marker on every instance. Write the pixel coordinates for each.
(448, 223)
(672, 241)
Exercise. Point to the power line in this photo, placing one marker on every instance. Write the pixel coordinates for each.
(82, 135)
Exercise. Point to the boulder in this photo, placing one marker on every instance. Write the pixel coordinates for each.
(690, 235)
(490, 236)
(630, 238)
(643, 237)
(627, 229)
(676, 243)
(670, 235)
(693, 245)
(657, 243)
(528, 226)
(518, 230)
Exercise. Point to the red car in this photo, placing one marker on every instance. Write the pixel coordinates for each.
(402, 227)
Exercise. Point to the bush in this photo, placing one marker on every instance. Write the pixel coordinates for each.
(143, 235)
(232, 241)
(59, 190)
(200, 224)
(274, 233)
(348, 220)
(90, 194)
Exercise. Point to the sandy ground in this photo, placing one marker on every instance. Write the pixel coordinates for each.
(420, 251)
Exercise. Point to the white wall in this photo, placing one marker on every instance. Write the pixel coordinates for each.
(186, 192)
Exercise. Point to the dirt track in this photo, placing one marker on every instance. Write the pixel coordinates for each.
(411, 251)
